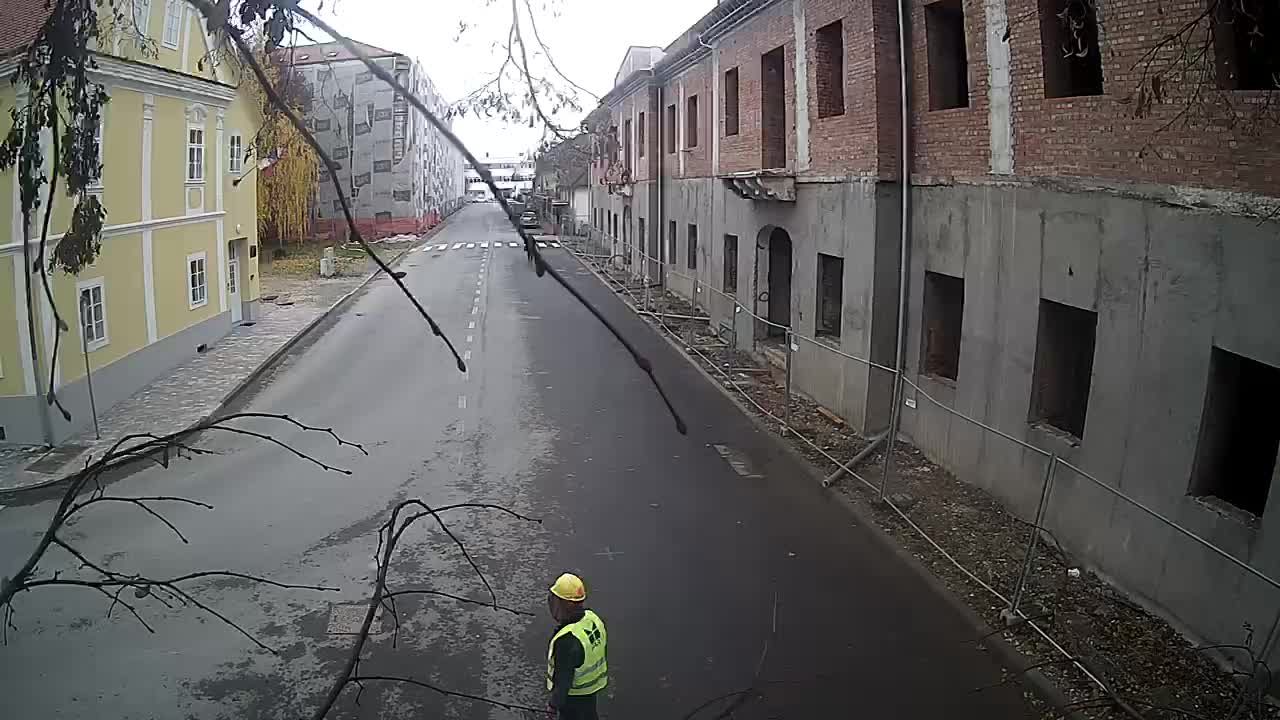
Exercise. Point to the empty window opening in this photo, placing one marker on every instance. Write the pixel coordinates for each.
(830, 294)
(671, 128)
(1236, 454)
(948, 59)
(626, 149)
(693, 247)
(671, 242)
(640, 135)
(731, 101)
(1069, 48)
(829, 53)
(1244, 33)
(1064, 366)
(773, 109)
(731, 264)
(691, 122)
(943, 316)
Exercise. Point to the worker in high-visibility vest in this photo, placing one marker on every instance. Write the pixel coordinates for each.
(577, 668)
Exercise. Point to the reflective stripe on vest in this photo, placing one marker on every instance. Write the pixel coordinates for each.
(593, 675)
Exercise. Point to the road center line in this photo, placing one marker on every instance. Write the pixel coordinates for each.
(472, 325)
(470, 338)
(462, 402)
(466, 356)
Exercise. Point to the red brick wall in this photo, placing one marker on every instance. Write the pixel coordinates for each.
(1100, 136)
(743, 48)
(956, 141)
(696, 81)
(847, 144)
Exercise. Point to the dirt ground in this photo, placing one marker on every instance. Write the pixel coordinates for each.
(1148, 666)
(295, 277)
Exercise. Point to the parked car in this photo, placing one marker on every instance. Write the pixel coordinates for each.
(529, 220)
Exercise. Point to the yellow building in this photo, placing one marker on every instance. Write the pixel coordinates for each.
(178, 267)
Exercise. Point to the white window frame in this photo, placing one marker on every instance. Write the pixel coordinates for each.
(198, 148)
(235, 147)
(173, 13)
(96, 185)
(192, 303)
(81, 287)
(141, 17)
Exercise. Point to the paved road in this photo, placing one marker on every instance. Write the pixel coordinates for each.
(684, 557)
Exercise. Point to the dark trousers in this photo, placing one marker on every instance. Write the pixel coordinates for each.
(579, 707)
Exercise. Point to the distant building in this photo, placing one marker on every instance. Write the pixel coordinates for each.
(512, 175)
(400, 174)
(563, 184)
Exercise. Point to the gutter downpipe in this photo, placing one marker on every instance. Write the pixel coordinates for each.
(660, 157)
(904, 250)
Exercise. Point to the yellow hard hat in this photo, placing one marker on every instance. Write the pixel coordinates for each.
(569, 587)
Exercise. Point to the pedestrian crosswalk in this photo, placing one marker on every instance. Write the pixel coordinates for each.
(441, 247)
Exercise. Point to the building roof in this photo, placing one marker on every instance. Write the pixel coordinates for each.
(328, 52)
(20, 20)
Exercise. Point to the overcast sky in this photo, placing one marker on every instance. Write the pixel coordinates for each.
(587, 39)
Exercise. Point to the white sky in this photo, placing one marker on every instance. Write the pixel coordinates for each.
(587, 39)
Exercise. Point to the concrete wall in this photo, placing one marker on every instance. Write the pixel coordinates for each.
(1167, 285)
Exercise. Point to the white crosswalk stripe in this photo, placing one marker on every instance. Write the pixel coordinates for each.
(457, 245)
(442, 247)
(481, 245)
(514, 244)
(484, 245)
(542, 244)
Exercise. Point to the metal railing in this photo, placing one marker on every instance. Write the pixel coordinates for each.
(598, 249)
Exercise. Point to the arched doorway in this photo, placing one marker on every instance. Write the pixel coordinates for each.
(773, 281)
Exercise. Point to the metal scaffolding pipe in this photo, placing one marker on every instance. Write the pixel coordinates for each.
(853, 462)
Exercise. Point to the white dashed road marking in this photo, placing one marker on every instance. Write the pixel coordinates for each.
(471, 326)
(462, 402)
(466, 356)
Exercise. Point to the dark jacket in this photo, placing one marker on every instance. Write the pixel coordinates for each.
(567, 655)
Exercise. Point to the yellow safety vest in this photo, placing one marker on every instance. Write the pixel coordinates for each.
(593, 674)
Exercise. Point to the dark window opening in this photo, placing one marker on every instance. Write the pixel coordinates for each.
(1069, 48)
(773, 109)
(626, 147)
(1244, 33)
(671, 242)
(948, 59)
(671, 128)
(691, 121)
(829, 52)
(1063, 366)
(731, 264)
(1236, 454)
(640, 136)
(693, 247)
(943, 316)
(830, 294)
(731, 102)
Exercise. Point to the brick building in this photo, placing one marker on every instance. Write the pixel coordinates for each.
(401, 174)
(1087, 271)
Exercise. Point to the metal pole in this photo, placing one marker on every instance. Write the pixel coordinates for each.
(88, 374)
(786, 412)
(1034, 536)
(891, 435)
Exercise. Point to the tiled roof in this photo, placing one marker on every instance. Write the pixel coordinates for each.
(327, 52)
(20, 20)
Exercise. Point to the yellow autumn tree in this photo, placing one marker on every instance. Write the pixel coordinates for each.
(288, 167)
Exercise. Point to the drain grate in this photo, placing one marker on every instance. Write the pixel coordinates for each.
(50, 462)
(347, 619)
(737, 460)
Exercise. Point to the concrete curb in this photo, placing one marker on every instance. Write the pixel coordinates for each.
(267, 364)
(1006, 654)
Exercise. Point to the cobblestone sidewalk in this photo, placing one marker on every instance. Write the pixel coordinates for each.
(190, 391)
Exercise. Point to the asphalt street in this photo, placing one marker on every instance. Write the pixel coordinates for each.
(696, 568)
